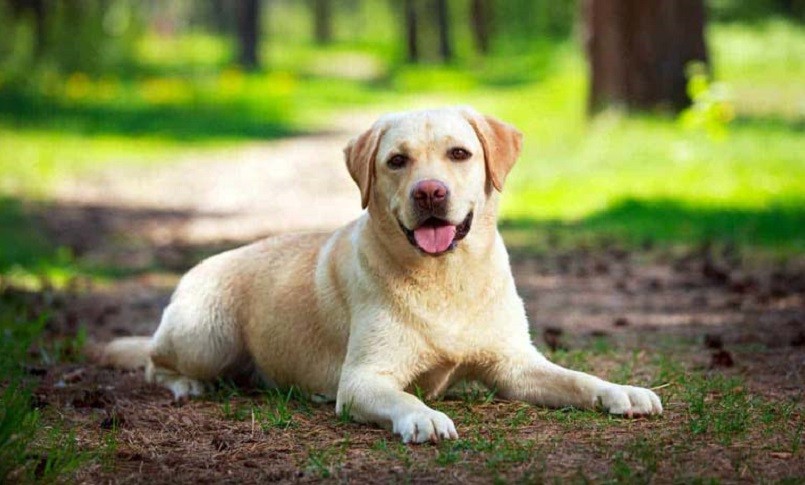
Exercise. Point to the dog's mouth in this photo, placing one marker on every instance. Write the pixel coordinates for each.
(435, 236)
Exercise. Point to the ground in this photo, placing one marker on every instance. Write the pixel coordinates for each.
(718, 332)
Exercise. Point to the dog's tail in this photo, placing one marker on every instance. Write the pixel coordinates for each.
(124, 353)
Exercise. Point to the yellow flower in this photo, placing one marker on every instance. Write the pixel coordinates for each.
(78, 86)
(107, 88)
(230, 82)
(168, 90)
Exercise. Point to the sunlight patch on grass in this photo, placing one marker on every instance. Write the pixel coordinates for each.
(33, 160)
(764, 65)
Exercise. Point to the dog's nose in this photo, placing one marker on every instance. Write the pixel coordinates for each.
(429, 194)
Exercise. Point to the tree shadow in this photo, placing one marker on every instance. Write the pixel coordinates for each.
(776, 123)
(779, 227)
(92, 267)
(188, 121)
(113, 241)
(97, 241)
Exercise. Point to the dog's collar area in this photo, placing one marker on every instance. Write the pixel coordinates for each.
(461, 232)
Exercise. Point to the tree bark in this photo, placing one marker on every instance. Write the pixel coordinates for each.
(638, 50)
(249, 33)
(39, 10)
(443, 23)
(481, 20)
(221, 17)
(411, 44)
(322, 21)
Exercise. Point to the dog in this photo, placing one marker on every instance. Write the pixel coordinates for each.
(417, 293)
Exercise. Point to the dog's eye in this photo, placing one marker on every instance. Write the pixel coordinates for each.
(397, 162)
(458, 154)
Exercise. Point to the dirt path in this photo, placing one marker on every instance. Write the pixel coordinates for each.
(240, 193)
(703, 309)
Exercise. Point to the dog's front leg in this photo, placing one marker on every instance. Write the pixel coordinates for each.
(368, 396)
(525, 374)
(382, 359)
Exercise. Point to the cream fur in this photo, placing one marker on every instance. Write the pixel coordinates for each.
(361, 316)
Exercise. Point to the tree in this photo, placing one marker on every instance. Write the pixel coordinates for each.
(38, 9)
(411, 44)
(481, 24)
(793, 8)
(220, 17)
(443, 27)
(434, 34)
(638, 50)
(249, 33)
(322, 21)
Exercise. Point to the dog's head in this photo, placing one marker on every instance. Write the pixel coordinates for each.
(432, 172)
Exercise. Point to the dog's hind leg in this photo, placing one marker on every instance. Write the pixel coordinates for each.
(194, 345)
(181, 386)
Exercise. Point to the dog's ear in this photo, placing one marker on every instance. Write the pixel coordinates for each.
(360, 156)
(501, 141)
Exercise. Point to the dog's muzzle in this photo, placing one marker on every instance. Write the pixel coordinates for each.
(435, 236)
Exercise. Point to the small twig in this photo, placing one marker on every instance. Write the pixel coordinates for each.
(663, 386)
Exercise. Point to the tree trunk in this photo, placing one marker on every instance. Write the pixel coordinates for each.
(793, 8)
(481, 16)
(322, 21)
(443, 21)
(249, 33)
(39, 10)
(638, 50)
(220, 17)
(411, 44)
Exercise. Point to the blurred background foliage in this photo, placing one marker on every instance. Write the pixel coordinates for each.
(86, 84)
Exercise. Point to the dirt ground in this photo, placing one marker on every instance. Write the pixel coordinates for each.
(710, 310)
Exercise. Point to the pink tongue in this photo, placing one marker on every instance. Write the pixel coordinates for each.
(435, 239)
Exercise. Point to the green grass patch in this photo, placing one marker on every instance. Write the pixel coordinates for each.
(722, 408)
(498, 451)
(35, 447)
(763, 65)
(647, 223)
(21, 242)
(273, 408)
(325, 461)
(28, 259)
(33, 159)
(637, 462)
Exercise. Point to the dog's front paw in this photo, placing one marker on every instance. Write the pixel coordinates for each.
(422, 426)
(628, 401)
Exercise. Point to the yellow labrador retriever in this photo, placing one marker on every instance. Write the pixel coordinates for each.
(417, 292)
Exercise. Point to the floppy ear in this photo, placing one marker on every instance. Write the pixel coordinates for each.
(502, 143)
(360, 156)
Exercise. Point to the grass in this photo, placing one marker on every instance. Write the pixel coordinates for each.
(272, 409)
(35, 445)
(513, 441)
(706, 412)
(636, 463)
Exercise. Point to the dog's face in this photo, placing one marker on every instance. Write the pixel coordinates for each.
(432, 171)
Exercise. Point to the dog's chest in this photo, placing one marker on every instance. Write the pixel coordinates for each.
(445, 293)
(454, 329)
(435, 381)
